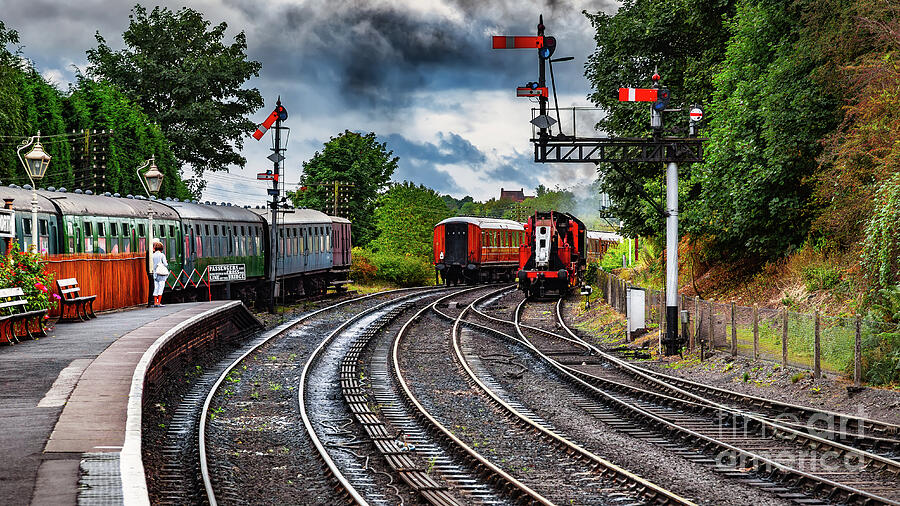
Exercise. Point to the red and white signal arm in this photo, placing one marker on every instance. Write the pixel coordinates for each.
(531, 92)
(637, 94)
(517, 42)
(696, 114)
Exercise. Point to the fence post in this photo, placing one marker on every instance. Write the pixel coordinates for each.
(784, 339)
(733, 333)
(755, 331)
(647, 299)
(712, 328)
(817, 369)
(857, 354)
(695, 327)
(609, 289)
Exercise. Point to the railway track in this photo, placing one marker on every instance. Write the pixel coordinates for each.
(611, 483)
(874, 436)
(220, 482)
(756, 450)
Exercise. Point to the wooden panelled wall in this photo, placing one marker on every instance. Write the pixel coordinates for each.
(117, 279)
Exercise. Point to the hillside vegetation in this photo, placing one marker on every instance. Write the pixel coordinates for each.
(800, 182)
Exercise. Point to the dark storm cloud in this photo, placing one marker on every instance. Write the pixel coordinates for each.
(418, 160)
(377, 52)
(519, 169)
(450, 149)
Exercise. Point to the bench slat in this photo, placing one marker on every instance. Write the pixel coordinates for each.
(11, 292)
(70, 290)
(67, 282)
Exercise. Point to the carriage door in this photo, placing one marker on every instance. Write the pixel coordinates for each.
(455, 243)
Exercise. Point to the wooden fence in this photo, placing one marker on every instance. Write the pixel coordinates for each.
(117, 279)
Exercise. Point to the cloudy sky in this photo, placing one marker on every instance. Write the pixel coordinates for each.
(419, 73)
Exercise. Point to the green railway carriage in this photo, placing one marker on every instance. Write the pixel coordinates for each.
(48, 220)
(221, 234)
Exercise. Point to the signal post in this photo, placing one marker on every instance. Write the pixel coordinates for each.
(656, 148)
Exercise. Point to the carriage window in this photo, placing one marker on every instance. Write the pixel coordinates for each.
(242, 230)
(43, 225)
(141, 230)
(197, 229)
(215, 230)
(88, 228)
(114, 229)
(26, 226)
(206, 229)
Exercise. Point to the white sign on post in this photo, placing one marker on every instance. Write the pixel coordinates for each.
(227, 272)
(635, 301)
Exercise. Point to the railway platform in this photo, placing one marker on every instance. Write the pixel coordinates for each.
(70, 403)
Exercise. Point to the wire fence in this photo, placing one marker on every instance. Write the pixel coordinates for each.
(852, 346)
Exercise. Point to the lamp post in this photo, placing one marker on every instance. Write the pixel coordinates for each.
(35, 162)
(152, 182)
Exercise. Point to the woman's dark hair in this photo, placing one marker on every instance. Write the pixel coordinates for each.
(158, 246)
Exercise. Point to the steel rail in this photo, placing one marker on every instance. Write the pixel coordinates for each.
(323, 453)
(739, 416)
(525, 493)
(754, 461)
(265, 338)
(647, 489)
(736, 413)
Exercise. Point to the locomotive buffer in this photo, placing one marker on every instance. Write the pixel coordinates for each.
(657, 148)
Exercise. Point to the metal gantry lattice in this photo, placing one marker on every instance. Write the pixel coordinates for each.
(618, 150)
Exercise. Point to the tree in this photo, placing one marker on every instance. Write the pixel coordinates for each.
(351, 158)
(767, 116)
(188, 81)
(685, 41)
(405, 216)
(134, 138)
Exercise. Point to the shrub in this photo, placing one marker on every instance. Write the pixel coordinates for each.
(820, 277)
(362, 269)
(613, 257)
(402, 270)
(26, 269)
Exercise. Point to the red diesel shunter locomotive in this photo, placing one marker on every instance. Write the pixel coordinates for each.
(553, 257)
(473, 250)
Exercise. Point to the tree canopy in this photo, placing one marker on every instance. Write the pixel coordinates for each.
(187, 80)
(405, 216)
(351, 158)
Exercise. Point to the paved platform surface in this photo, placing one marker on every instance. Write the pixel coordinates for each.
(66, 395)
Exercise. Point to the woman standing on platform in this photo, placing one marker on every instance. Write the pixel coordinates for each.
(160, 273)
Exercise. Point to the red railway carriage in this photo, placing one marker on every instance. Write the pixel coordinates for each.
(472, 250)
(598, 243)
(554, 255)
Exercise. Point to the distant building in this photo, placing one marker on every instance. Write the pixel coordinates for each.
(514, 195)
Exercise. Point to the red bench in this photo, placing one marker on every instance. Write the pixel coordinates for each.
(13, 314)
(69, 293)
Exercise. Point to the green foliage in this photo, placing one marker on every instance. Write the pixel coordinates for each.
(881, 357)
(403, 270)
(26, 270)
(187, 80)
(101, 106)
(405, 216)
(613, 257)
(766, 118)
(29, 104)
(362, 268)
(350, 158)
(886, 307)
(820, 277)
(685, 40)
(399, 269)
(881, 254)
